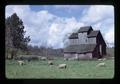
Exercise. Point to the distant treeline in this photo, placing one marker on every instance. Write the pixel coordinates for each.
(43, 51)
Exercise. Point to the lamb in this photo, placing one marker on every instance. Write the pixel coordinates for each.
(101, 64)
(50, 62)
(21, 63)
(61, 66)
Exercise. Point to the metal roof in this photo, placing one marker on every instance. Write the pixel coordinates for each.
(74, 36)
(84, 29)
(93, 33)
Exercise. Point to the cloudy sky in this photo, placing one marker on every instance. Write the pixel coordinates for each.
(50, 25)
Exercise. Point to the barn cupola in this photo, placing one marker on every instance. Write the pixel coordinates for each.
(87, 29)
(83, 32)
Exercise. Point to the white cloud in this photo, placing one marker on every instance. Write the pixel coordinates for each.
(109, 36)
(59, 30)
(45, 28)
(97, 12)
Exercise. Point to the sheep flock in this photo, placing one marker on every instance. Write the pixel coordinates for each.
(62, 65)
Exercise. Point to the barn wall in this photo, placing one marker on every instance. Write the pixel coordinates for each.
(96, 52)
(103, 49)
(73, 41)
(69, 55)
(83, 38)
(100, 41)
(92, 40)
(85, 56)
(78, 56)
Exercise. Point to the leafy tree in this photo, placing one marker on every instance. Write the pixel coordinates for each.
(15, 34)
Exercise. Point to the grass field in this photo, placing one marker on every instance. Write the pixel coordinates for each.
(75, 69)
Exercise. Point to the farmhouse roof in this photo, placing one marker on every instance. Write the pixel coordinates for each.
(82, 48)
(84, 29)
(93, 33)
(73, 36)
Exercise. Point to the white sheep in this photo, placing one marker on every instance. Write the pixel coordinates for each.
(50, 62)
(100, 59)
(62, 66)
(21, 63)
(43, 58)
(101, 64)
(103, 59)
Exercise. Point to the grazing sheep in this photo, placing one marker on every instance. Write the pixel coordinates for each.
(61, 66)
(50, 62)
(21, 63)
(100, 59)
(101, 64)
(65, 59)
(43, 58)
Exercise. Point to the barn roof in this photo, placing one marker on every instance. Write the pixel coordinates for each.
(82, 48)
(84, 29)
(93, 33)
(73, 36)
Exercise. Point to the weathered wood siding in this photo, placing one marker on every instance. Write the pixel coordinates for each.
(78, 56)
(73, 41)
(85, 56)
(69, 55)
(96, 52)
(100, 41)
(92, 40)
(83, 38)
